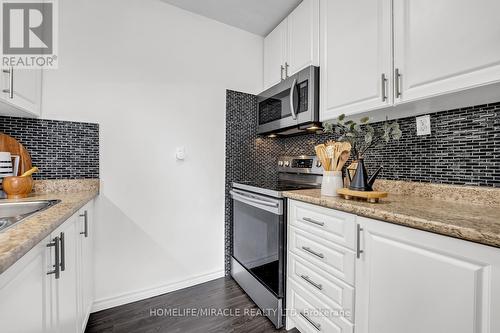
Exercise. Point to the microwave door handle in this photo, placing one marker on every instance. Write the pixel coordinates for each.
(292, 97)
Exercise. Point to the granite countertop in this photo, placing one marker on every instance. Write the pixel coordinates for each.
(17, 240)
(462, 219)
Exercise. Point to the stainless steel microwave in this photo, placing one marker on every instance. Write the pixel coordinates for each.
(291, 106)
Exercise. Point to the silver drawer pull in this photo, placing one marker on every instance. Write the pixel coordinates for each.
(310, 220)
(358, 242)
(57, 267)
(317, 285)
(308, 249)
(316, 325)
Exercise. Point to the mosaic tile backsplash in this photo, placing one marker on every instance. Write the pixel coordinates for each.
(60, 149)
(464, 149)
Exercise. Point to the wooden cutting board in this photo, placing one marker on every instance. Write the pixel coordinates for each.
(370, 196)
(10, 144)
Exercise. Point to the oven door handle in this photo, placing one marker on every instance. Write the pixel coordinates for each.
(272, 206)
(257, 201)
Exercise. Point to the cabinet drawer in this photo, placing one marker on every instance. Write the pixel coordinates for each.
(310, 315)
(330, 257)
(322, 285)
(330, 224)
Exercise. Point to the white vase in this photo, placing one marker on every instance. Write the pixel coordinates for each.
(332, 181)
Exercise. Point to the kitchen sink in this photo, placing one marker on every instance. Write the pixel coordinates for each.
(14, 212)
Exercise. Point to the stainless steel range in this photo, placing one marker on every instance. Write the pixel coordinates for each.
(259, 232)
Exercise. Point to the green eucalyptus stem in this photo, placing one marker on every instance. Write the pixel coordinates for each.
(363, 136)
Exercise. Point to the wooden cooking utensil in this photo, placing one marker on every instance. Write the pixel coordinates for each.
(320, 153)
(330, 143)
(11, 145)
(330, 151)
(345, 150)
(323, 156)
(338, 149)
(344, 156)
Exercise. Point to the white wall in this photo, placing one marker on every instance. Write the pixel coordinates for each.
(154, 78)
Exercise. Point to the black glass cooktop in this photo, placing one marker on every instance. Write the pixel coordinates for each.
(271, 188)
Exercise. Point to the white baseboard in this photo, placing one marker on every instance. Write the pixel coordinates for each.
(137, 295)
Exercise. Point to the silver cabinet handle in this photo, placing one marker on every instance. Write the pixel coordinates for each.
(281, 72)
(10, 91)
(308, 249)
(286, 69)
(315, 325)
(384, 90)
(358, 242)
(85, 231)
(397, 82)
(292, 99)
(314, 284)
(63, 252)
(310, 220)
(56, 271)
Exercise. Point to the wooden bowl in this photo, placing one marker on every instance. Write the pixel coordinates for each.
(17, 187)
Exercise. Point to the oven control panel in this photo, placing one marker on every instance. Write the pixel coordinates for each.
(300, 164)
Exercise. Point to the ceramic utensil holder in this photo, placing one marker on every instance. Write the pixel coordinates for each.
(332, 181)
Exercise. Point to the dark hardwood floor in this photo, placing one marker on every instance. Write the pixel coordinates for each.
(220, 295)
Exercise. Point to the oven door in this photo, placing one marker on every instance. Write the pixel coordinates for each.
(291, 103)
(258, 238)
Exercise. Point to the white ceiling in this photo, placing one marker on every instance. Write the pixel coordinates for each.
(256, 16)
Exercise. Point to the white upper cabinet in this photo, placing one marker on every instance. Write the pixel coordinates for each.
(445, 46)
(355, 58)
(293, 44)
(274, 55)
(414, 281)
(21, 91)
(303, 37)
(407, 57)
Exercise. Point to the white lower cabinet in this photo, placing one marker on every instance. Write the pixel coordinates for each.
(85, 231)
(405, 280)
(25, 300)
(320, 269)
(65, 288)
(50, 289)
(414, 281)
(312, 315)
